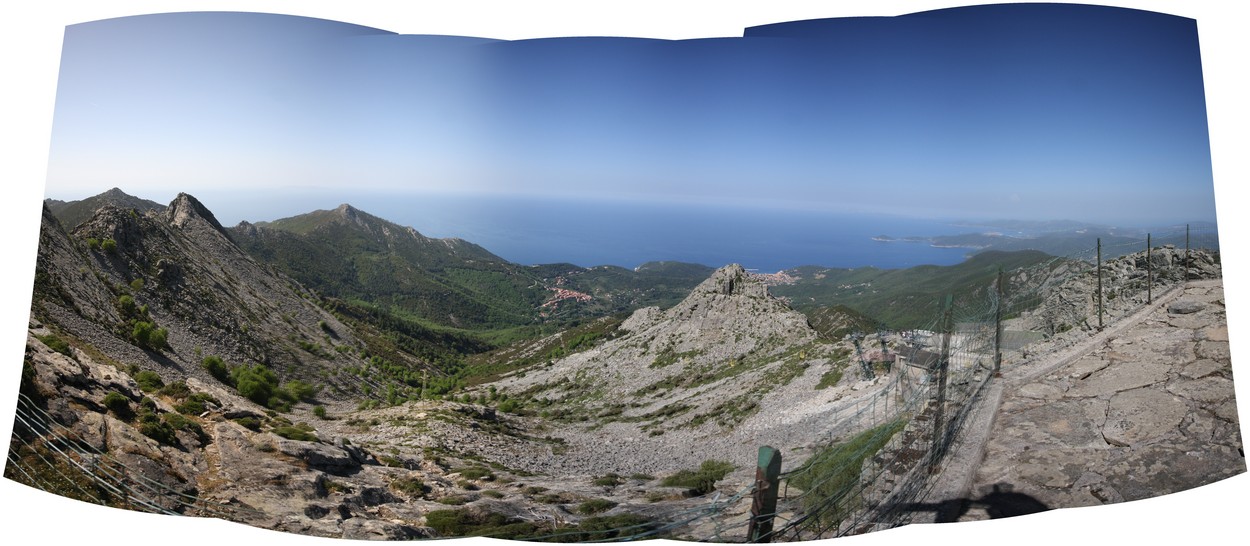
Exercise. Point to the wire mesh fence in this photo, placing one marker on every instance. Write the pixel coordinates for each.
(878, 463)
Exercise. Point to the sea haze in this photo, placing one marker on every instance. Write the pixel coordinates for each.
(530, 230)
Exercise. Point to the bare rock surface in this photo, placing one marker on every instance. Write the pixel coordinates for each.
(1148, 412)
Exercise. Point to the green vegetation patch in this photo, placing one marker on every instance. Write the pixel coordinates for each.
(56, 344)
(700, 481)
(834, 472)
(595, 506)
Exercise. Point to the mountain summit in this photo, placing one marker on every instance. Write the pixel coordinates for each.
(73, 213)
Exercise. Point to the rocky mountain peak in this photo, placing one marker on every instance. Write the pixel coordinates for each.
(732, 280)
(347, 211)
(185, 209)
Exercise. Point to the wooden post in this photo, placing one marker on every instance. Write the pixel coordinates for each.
(1150, 274)
(998, 327)
(764, 500)
(943, 364)
(1100, 283)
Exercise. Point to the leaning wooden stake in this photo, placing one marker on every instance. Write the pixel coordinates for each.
(764, 500)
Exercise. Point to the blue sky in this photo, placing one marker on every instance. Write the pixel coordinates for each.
(1022, 111)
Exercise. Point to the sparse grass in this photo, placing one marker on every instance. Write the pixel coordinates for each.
(476, 473)
(56, 344)
(411, 486)
(455, 500)
(829, 378)
(609, 480)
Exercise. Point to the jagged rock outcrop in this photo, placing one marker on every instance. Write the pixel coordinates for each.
(728, 364)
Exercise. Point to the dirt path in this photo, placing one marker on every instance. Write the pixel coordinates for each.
(1142, 409)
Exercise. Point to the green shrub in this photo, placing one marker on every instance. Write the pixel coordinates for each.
(319, 412)
(509, 406)
(153, 427)
(216, 368)
(301, 432)
(177, 390)
(595, 506)
(249, 423)
(301, 390)
(148, 336)
(177, 422)
(701, 481)
(117, 403)
(641, 476)
(108, 245)
(126, 306)
(493, 494)
(149, 381)
(136, 284)
(93, 243)
(256, 383)
(195, 404)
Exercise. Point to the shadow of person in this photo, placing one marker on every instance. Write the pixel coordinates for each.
(1005, 503)
(1001, 502)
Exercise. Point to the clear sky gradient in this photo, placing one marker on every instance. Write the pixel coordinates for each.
(1015, 111)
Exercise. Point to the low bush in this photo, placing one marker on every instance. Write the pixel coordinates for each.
(701, 481)
(216, 368)
(302, 432)
(117, 403)
(595, 506)
(476, 473)
(149, 381)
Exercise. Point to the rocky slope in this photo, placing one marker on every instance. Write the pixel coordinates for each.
(724, 371)
(178, 271)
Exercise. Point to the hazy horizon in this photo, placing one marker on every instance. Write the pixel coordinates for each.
(531, 230)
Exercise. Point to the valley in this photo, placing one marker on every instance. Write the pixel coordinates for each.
(335, 374)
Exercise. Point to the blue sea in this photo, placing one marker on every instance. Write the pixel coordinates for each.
(588, 233)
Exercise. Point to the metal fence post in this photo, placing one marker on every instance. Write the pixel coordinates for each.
(1186, 252)
(998, 326)
(1100, 283)
(942, 364)
(764, 499)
